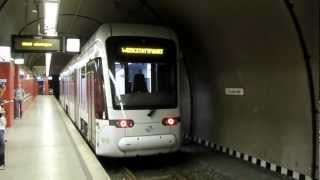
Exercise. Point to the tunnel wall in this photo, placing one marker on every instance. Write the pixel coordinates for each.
(251, 45)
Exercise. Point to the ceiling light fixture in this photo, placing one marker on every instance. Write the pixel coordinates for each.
(48, 62)
(51, 9)
(51, 18)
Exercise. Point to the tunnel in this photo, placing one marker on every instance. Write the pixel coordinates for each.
(249, 70)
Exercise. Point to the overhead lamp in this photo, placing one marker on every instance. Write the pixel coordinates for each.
(19, 61)
(50, 18)
(48, 62)
(73, 45)
(5, 53)
(50, 25)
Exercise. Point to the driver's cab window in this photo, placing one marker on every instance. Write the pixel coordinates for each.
(137, 75)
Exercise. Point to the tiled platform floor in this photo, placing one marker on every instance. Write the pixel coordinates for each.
(39, 146)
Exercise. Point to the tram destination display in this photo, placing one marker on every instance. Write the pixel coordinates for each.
(141, 50)
(36, 44)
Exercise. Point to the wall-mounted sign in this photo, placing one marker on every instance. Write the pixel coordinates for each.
(5, 53)
(36, 44)
(140, 50)
(234, 91)
(19, 61)
(72, 45)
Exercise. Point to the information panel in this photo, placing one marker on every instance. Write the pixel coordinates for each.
(36, 44)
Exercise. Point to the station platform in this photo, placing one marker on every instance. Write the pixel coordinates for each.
(44, 145)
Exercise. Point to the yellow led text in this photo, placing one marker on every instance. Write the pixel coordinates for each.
(132, 50)
(36, 44)
(26, 43)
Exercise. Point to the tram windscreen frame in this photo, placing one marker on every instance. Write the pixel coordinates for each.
(144, 72)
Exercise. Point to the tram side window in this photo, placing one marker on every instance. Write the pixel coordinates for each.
(82, 87)
(74, 76)
(99, 95)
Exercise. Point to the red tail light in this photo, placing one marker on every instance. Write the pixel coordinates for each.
(124, 123)
(170, 121)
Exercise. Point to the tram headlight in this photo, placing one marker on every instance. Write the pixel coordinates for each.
(170, 121)
(124, 123)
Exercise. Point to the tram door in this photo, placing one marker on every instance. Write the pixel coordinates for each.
(76, 97)
(90, 101)
(95, 96)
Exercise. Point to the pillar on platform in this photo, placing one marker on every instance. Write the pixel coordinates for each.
(7, 71)
(46, 86)
(16, 76)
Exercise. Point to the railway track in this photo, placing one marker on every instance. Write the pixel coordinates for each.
(193, 163)
(170, 175)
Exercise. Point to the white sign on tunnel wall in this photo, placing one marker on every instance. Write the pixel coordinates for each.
(234, 91)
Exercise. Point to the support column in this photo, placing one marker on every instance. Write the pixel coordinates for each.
(46, 86)
(16, 76)
(7, 71)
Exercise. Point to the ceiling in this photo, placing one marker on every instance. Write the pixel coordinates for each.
(76, 17)
(197, 23)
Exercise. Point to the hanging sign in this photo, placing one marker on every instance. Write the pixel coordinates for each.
(36, 44)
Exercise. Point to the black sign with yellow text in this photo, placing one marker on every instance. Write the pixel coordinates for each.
(36, 44)
(140, 49)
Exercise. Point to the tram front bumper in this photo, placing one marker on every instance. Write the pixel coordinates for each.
(147, 142)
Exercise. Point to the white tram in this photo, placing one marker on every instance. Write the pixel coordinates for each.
(121, 91)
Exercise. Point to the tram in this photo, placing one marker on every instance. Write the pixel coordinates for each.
(121, 91)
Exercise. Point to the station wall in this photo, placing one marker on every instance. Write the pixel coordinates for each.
(251, 45)
(10, 72)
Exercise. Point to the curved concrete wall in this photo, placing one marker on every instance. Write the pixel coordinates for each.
(251, 45)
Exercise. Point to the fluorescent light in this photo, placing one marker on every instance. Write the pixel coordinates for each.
(19, 61)
(48, 62)
(73, 45)
(5, 53)
(50, 78)
(51, 18)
